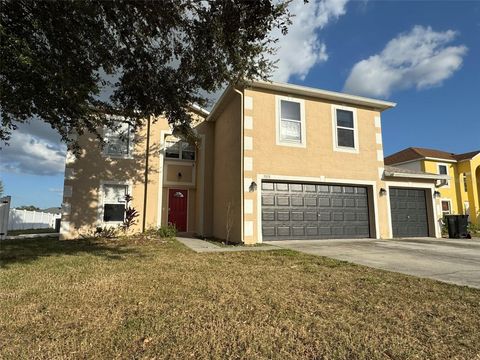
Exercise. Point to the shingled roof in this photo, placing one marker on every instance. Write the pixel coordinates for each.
(414, 153)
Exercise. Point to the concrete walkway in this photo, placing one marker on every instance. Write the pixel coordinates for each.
(202, 246)
(448, 260)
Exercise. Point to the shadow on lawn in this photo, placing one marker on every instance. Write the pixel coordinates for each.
(28, 250)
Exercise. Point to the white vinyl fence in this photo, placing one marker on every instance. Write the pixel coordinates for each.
(25, 219)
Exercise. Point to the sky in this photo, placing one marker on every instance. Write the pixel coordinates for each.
(423, 55)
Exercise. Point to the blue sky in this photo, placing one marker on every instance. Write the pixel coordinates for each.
(424, 55)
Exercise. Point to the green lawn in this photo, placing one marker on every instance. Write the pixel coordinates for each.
(157, 299)
(30, 231)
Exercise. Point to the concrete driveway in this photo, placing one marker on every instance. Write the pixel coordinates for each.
(452, 261)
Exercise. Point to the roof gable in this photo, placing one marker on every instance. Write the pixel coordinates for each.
(414, 153)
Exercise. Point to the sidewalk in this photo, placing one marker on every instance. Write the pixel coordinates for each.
(202, 246)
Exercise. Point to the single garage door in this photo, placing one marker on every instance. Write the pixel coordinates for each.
(314, 211)
(409, 212)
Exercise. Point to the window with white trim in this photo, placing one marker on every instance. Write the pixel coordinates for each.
(345, 129)
(118, 141)
(290, 121)
(179, 150)
(443, 170)
(446, 207)
(113, 202)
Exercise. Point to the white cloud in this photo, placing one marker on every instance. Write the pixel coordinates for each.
(419, 58)
(301, 48)
(35, 148)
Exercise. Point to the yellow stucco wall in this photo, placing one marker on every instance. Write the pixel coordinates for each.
(91, 168)
(317, 160)
(455, 191)
(227, 177)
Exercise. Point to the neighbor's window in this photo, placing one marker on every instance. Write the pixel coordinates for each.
(446, 207)
(290, 122)
(179, 150)
(465, 182)
(114, 202)
(443, 170)
(345, 127)
(118, 140)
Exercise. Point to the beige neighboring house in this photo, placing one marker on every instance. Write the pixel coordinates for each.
(274, 162)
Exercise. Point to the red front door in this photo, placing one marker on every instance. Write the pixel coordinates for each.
(177, 208)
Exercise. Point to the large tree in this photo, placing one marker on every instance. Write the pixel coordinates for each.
(57, 56)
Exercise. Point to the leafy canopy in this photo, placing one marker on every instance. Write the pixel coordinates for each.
(57, 56)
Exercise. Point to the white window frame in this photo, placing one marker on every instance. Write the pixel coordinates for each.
(336, 147)
(447, 184)
(303, 135)
(180, 150)
(449, 207)
(101, 199)
(131, 139)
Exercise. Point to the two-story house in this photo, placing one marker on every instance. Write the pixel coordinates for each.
(273, 161)
(461, 194)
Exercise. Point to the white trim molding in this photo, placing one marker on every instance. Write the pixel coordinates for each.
(248, 103)
(100, 221)
(248, 123)
(355, 129)
(303, 122)
(412, 185)
(378, 122)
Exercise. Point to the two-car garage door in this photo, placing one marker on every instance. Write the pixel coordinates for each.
(314, 211)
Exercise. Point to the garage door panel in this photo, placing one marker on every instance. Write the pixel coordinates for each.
(408, 212)
(314, 211)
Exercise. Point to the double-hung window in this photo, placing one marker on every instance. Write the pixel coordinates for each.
(290, 122)
(114, 202)
(118, 140)
(345, 129)
(446, 207)
(179, 150)
(443, 170)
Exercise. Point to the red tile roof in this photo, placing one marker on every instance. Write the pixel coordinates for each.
(413, 153)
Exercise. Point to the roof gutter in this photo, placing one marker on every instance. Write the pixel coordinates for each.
(417, 176)
(323, 94)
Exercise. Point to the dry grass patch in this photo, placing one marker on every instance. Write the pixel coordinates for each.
(156, 299)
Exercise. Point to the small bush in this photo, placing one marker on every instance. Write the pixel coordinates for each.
(106, 232)
(168, 231)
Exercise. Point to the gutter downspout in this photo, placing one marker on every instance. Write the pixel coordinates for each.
(242, 154)
(145, 186)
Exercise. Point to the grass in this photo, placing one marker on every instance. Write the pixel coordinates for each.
(30, 231)
(156, 299)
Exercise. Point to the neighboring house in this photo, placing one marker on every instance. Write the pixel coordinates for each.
(461, 194)
(274, 161)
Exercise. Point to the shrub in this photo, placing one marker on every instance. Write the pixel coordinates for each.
(106, 232)
(168, 231)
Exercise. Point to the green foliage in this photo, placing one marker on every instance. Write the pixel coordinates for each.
(106, 232)
(168, 231)
(28, 207)
(155, 57)
(473, 229)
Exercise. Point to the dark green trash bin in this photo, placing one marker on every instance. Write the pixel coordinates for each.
(457, 226)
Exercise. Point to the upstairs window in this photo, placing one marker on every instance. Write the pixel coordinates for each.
(465, 183)
(290, 122)
(345, 129)
(443, 170)
(118, 140)
(179, 150)
(114, 202)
